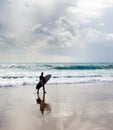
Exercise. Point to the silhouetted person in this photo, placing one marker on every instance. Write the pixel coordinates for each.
(41, 78)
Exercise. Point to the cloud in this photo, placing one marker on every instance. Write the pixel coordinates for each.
(4, 3)
(62, 33)
(7, 41)
(76, 29)
(2, 28)
(59, 34)
(40, 31)
(89, 8)
(65, 37)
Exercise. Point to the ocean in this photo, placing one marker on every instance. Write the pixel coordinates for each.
(62, 73)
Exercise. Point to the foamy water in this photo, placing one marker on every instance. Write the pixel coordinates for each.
(62, 73)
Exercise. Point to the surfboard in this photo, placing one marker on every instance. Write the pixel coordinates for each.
(41, 82)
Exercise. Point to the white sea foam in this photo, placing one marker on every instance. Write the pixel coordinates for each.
(28, 74)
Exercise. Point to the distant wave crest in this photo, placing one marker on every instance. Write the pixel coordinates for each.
(84, 67)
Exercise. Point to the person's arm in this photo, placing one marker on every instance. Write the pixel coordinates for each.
(44, 79)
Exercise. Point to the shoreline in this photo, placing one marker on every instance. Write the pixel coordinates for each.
(65, 106)
(58, 84)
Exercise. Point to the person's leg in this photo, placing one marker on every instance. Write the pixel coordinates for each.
(37, 91)
(44, 89)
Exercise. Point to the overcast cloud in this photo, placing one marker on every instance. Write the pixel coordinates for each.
(56, 30)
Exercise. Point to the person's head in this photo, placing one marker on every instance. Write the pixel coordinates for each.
(42, 73)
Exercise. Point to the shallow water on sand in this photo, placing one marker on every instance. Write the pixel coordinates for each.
(64, 107)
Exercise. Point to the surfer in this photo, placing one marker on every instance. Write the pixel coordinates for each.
(42, 81)
(41, 78)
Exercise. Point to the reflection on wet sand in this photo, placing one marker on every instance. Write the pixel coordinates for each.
(43, 105)
(74, 107)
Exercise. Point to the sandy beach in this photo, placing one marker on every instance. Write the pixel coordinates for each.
(63, 107)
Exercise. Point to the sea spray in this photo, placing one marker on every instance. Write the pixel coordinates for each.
(62, 73)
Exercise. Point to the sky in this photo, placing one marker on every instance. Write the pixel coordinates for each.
(56, 31)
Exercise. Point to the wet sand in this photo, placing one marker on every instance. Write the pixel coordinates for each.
(63, 107)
